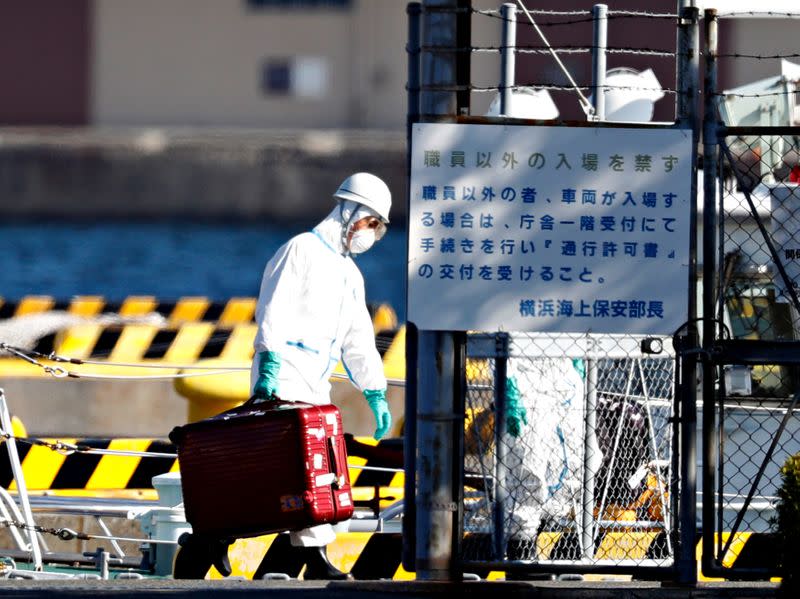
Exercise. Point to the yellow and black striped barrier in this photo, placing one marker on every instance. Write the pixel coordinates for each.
(378, 555)
(84, 473)
(366, 555)
(192, 329)
(185, 309)
(237, 310)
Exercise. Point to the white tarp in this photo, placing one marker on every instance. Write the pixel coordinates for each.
(549, 229)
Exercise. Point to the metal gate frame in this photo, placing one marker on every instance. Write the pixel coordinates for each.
(718, 350)
(495, 347)
(438, 91)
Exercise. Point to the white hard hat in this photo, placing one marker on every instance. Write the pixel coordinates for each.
(526, 103)
(367, 190)
(631, 95)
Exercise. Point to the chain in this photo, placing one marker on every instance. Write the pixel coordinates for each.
(24, 355)
(65, 448)
(57, 446)
(67, 534)
(58, 372)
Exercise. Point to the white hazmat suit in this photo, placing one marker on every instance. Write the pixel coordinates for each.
(312, 312)
(546, 461)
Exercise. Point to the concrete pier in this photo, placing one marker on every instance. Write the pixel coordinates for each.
(123, 589)
(90, 173)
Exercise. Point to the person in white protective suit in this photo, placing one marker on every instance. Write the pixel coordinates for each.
(544, 417)
(312, 312)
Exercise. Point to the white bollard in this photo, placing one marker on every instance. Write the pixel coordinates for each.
(168, 522)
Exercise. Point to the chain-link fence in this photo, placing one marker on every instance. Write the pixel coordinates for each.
(572, 454)
(569, 439)
(756, 425)
(569, 457)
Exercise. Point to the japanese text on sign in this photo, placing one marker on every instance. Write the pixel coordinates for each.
(549, 229)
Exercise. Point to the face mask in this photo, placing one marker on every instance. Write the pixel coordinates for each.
(362, 240)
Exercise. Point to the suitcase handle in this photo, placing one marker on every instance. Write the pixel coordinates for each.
(333, 459)
(255, 399)
(273, 401)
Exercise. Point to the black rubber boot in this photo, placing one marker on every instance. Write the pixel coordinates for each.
(219, 556)
(319, 568)
(196, 554)
(192, 559)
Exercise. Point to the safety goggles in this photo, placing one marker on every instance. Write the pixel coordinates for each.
(376, 224)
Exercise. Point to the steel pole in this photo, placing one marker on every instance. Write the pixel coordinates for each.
(414, 10)
(436, 509)
(710, 158)
(501, 448)
(508, 13)
(588, 500)
(685, 427)
(600, 35)
(589, 443)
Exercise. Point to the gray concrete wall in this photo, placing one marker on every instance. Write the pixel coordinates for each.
(201, 174)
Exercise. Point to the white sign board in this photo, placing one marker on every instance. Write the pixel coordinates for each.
(785, 210)
(549, 229)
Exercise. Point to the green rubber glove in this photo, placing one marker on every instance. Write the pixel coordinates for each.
(580, 366)
(269, 365)
(515, 412)
(380, 409)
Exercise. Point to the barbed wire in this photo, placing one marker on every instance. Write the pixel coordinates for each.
(610, 16)
(756, 95)
(581, 13)
(529, 50)
(643, 14)
(536, 86)
(757, 13)
(545, 50)
(432, 49)
(757, 56)
(640, 51)
(500, 17)
(493, 12)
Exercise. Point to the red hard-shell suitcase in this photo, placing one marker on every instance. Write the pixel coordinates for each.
(264, 468)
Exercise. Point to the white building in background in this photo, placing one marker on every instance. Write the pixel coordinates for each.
(252, 63)
(298, 63)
